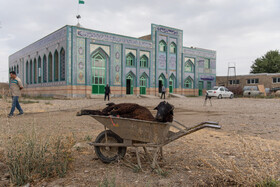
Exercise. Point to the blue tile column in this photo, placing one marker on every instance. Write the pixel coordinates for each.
(137, 67)
(167, 61)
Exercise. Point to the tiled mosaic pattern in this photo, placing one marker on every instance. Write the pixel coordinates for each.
(80, 61)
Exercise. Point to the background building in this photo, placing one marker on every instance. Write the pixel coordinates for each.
(79, 62)
(269, 80)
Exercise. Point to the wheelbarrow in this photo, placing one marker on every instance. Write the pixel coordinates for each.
(120, 133)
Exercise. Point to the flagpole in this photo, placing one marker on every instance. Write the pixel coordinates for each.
(78, 15)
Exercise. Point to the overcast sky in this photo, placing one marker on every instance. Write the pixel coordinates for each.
(239, 30)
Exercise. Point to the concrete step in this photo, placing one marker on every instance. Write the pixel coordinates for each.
(149, 96)
(97, 96)
(176, 95)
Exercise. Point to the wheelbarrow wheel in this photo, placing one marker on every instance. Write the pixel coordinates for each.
(109, 154)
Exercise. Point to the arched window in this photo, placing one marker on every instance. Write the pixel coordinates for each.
(188, 83)
(207, 64)
(130, 60)
(62, 64)
(35, 70)
(173, 48)
(26, 73)
(98, 74)
(56, 67)
(143, 81)
(50, 67)
(144, 61)
(39, 70)
(45, 70)
(17, 70)
(162, 46)
(188, 66)
(31, 72)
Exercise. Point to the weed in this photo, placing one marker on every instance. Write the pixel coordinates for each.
(266, 97)
(29, 158)
(255, 164)
(88, 138)
(161, 172)
(28, 102)
(39, 97)
(192, 96)
(48, 103)
(108, 183)
(268, 183)
(136, 169)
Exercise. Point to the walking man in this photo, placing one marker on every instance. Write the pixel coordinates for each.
(107, 92)
(162, 92)
(15, 87)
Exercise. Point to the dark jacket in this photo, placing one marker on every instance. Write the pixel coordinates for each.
(107, 89)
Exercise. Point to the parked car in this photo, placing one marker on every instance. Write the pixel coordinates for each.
(220, 92)
(251, 91)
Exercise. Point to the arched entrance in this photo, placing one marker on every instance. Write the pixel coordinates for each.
(200, 88)
(129, 84)
(161, 82)
(98, 74)
(143, 85)
(171, 83)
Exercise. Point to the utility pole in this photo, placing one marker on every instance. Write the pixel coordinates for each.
(231, 75)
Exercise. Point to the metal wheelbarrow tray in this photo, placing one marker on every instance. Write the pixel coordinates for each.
(110, 145)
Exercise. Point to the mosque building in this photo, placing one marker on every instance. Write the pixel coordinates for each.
(79, 62)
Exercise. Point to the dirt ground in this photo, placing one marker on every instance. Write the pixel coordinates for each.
(250, 130)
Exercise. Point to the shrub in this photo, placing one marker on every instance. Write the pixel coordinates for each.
(236, 90)
(268, 183)
(29, 158)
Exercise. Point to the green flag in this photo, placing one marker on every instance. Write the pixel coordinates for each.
(81, 2)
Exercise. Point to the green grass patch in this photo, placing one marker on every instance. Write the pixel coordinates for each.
(269, 183)
(39, 97)
(28, 102)
(192, 96)
(88, 138)
(48, 103)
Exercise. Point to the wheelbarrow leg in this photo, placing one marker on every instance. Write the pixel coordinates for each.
(138, 158)
(147, 154)
(154, 163)
(161, 153)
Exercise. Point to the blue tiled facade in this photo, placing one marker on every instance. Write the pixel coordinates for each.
(81, 45)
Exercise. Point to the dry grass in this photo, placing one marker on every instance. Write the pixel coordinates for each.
(243, 116)
(255, 164)
(30, 158)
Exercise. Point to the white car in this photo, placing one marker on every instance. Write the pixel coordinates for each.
(220, 92)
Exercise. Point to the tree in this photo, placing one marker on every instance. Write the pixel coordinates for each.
(269, 63)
